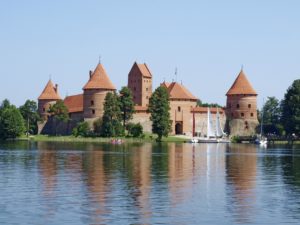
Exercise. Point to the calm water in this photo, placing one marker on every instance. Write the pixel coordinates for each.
(46, 183)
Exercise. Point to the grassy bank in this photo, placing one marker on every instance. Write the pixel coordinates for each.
(147, 138)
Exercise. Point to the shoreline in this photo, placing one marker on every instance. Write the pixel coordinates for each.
(147, 139)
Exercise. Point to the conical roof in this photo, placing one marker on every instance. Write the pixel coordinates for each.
(241, 86)
(49, 92)
(178, 91)
(99, 80)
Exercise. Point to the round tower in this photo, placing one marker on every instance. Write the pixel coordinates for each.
(94, 93)
(241, 109)
(48, 97)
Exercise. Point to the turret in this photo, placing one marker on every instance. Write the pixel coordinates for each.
(94, 92)
(48, 97)
(241, 108)
(140, 83)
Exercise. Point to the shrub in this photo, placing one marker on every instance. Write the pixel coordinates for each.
(135, 130)
(82, 129)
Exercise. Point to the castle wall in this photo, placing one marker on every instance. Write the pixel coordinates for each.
(93, 102)
(181, 114)
(144, 119)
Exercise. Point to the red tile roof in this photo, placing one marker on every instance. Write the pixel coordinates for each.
(99, 80)
(241, 86)
(178, 91)
(74, 103)
(49, 92)
(204, 110)
(144, 70)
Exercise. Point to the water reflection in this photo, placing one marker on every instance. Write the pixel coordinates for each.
(241, 167)
(148, 183)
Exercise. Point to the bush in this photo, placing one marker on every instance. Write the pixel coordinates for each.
(82, 129)
(135, 130)
(97, 127)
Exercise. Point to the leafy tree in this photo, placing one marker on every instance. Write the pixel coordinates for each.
(111, 120)
(126, 105)
(30, 114)
(159, 107)
(60, 112)
(135, 130)
(11, 121)
(202, 104)
(98, 127)
(272, 113)
(82, 129)
(291, 109)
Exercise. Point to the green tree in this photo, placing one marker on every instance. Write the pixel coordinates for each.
(126, 105)
(98, 127)
(82, 129)
(159, 107)
(135, 130)
(291, 109)
(59, 112)
(30, 114)
(11, 121)
(111, 120)
(201, 104)
(272, 113)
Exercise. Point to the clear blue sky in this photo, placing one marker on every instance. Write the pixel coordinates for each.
(207, 41)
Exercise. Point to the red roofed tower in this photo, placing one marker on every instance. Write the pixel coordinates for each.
(48, 97)
(140, 83)
(241, 110)
(94, 93)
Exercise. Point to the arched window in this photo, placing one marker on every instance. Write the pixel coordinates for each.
(237, 106)
(92, 102)
(93, 111)
(242, 114)
(249, 106)
(179, 109)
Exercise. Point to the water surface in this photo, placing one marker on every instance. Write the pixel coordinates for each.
(57, 183)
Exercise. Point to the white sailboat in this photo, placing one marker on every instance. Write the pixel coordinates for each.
(211, 134)
(220, 134)
(261, 140)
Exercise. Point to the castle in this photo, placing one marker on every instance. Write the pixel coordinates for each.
(239, 117)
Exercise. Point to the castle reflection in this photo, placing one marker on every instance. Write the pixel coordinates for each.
(141, 171)
(241, 163)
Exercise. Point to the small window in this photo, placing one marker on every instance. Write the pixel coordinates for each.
(242, 114)
(147, 97)
(44, 110)
(179, 108)
(134, 88)
(238, 106)
(249, 106)
(92, 102)
(146, 89)
(93, 111)
(252, 114)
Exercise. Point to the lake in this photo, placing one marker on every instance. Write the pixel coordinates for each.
(69, 183)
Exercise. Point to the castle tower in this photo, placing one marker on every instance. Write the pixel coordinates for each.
(94, 93)
(241, 109)
(140, 83)
(48, 97)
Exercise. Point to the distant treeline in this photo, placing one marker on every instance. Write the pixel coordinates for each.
(282, 117)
